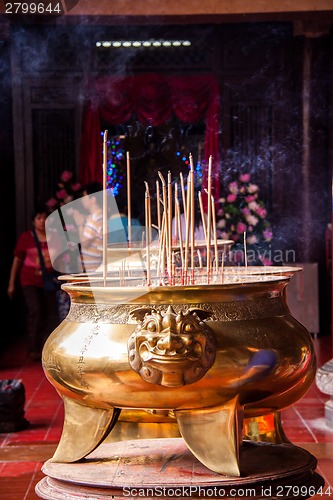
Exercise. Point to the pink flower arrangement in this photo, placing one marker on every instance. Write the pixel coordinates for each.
(66, 176)
(66, 191)
(241, 212)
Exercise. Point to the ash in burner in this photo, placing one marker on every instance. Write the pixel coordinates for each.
(96, 280)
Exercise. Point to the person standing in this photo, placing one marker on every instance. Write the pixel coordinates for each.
(41, 302)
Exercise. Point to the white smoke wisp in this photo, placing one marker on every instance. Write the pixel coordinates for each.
(125, 262)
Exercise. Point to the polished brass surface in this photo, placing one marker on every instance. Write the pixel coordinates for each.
(171, 349)
(76, 439)
(264, 361)
(221, 427)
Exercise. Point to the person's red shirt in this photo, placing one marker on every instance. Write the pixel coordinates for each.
(26, 250)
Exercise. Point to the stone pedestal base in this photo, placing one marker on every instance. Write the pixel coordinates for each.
(162, 468)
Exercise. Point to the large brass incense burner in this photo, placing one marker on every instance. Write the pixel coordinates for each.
(204, 356)
(165, 334)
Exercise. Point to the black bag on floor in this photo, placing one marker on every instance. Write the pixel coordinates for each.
(12, 401)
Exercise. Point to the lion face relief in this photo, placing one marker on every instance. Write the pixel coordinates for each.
(171, 349)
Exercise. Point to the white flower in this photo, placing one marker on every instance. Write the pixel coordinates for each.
(253, 205)
(252, 188)
(252, 220)
(221, 224)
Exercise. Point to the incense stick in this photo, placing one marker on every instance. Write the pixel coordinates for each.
(179, 224)
(192, 211)
(199, 258)
(215, 236)
(165, 209)
(203, 220)
(161, 252)
(209, 215)
(147, 224)
(129, 202)
(187, 223)
(105, 208)
(158, 207)
(169, 224)
(175, 226)
(182, 186)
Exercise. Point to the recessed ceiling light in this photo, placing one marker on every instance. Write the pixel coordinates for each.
(142, 43)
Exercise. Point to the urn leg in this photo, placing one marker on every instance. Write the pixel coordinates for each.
(84, 429)
(279, 434)
(214, 435)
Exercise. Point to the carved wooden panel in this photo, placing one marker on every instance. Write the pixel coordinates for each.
(254, 48)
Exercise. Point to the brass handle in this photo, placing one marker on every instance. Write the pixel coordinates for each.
(171, 349)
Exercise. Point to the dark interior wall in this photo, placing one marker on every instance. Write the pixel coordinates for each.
(260, 70)
(7, 184)
(319, 185)
(260, 95)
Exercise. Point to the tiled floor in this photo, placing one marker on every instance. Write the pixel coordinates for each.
(23, 453)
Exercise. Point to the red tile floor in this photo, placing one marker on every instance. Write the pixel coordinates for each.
(23, 453)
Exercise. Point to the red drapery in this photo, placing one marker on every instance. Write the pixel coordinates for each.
(153, 98)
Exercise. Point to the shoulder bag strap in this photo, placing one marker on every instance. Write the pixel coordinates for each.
(41, 258)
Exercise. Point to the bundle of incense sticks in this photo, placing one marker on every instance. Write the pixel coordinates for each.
(176, 223)
(179, 258)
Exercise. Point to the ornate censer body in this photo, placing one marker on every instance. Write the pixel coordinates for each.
(204, 355)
